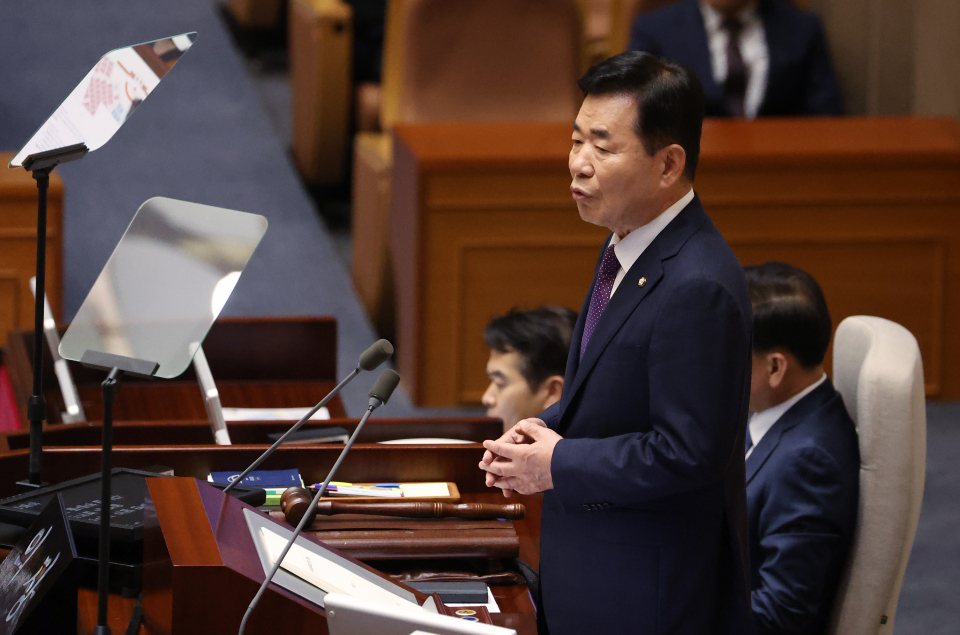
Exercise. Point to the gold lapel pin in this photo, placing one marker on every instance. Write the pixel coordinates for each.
(642, 281)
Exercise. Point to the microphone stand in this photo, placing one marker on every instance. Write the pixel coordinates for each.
(346, 380)
(376, 400)
(40, 165)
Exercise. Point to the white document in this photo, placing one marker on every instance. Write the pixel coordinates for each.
(424, 490)
(327, 575)
(273, 414)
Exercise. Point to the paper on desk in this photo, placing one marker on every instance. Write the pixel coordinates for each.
(424, 490)
(327, 575)
(491, 604)
(272, 414)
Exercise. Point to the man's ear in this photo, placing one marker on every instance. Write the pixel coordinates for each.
(777, 366)
(553, 388)
(674, 161)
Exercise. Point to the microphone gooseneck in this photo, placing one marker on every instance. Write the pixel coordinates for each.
(379, 352)
(385, 386)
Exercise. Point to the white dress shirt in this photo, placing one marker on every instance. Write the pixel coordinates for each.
(761, 422)
(753, 49)
(636, 242)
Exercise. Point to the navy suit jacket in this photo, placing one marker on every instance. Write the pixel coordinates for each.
(645, 528)
(800, 79)
(803, 482)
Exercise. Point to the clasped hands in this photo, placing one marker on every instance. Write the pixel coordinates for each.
(519, 461)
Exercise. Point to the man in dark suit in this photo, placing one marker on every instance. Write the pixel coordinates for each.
(803, 457)
(756, 58)
(644, 512)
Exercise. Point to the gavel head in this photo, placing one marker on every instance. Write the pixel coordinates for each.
(294, 503)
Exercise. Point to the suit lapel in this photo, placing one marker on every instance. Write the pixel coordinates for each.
(797, 413)
(627, 297)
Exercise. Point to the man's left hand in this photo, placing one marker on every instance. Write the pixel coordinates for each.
(523, 468)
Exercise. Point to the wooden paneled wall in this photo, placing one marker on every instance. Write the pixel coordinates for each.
(870, 207)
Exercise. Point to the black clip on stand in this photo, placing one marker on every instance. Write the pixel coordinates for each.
(117, 365)
(41, 165)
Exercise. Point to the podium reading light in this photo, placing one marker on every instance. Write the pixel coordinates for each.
(89, 116)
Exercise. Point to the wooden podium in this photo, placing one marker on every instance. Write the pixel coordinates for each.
(201, 568)
(201, 552)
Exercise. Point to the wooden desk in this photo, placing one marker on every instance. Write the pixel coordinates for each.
(482, 221)
(366, 463)
(250, 432)
(256, 362)
(18, 246)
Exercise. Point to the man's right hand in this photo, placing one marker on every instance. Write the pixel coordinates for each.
(513, 436)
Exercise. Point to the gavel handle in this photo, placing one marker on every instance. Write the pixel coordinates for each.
(474, 511)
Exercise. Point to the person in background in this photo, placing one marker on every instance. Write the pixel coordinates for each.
(802, 457)
(528, 355)
(755, 58)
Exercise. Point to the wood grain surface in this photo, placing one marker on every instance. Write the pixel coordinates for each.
(869, 206)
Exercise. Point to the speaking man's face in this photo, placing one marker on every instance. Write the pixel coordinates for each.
(615, 183)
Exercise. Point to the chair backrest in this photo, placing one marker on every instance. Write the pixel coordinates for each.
(471, 60)
(878, 371)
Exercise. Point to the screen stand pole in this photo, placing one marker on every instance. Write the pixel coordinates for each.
(110, 386)
(117, 365)
(36, 406)
(40, 165)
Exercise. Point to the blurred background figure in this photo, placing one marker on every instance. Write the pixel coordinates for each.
(802, 454)
(755, 58)
(528, 356)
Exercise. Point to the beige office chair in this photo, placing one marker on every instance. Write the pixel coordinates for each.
(878, 371)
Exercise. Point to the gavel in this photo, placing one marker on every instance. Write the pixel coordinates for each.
(295, 501)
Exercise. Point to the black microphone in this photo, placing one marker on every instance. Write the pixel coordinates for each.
(379, 395)
(369, 359)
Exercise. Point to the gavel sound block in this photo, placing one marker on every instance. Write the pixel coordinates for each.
(295, 501)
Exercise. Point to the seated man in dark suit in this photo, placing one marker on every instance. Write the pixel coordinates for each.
(755, 58)
(528, 356)
(802, 457)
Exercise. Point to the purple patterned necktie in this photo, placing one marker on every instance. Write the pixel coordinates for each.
(609, 268)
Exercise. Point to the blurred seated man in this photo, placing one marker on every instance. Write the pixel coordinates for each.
(802, 457)
(528, 356)
(756, 58)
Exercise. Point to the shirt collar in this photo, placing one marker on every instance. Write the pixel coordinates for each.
(761, 422)
(629, 248)
(713, 19)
